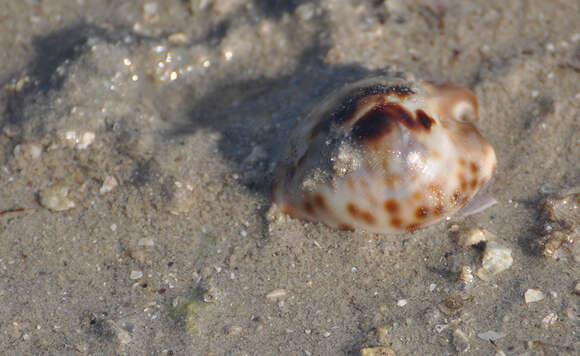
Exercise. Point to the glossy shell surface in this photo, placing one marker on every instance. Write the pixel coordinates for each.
(385, 155)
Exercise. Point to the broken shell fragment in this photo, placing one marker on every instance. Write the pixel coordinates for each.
(387, 156)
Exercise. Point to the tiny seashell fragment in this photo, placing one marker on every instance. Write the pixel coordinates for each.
(276, 293)
(385, 155)
(55, 197)
(465, 274)
(109, 184)
(533, 295)
(495, 259)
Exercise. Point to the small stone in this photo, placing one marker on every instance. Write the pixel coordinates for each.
(136, 274)
(402, 302)
(109, 184)
(276, 293)
(461, 341)
(495, 259)
(549, 320)
(146, 242)
(377, 351)
(178, 38)
(26, 152)
(491, 335)
(55, 198)
(233, 330)
(533, 295)
(577, 288)
(465, 274)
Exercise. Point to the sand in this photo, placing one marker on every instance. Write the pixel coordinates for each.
(137, 146)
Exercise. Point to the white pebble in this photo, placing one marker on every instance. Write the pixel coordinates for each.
(109, 184)
(146, 242)
(496, 259)
(533, 295)
(55, 198)
(276, 293)
(402, 302)
(549, 320)
(432, 287)
(136, 274)
(491, 335)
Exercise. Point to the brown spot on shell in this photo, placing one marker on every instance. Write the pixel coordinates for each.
(462, 182)
(345, 227)
(412, 227)
(351, 101)
(438, 210)
(473, 183)
(396, 222)
(391, 206)
(352, 209)
(379, 121)
(368, 217)
(320, 201)
(308, 207)
(421, 212)
(357, 213)
(474, 167)
(417, 195)
(424, 119)
(461, 161)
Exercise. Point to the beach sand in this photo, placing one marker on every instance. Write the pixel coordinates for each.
(137, 147)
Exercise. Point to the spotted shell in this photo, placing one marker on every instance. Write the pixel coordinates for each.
(386, 155)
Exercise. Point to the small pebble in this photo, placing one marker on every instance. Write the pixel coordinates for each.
(465, 275)
(109, 184)
(276, 293)
(533, 295)
(55, 198)
(495, 259)
(402, 302)
(549, 320)
(377, 351)
(136, 274)
(491, 335)
(577, 288)
(146, 242)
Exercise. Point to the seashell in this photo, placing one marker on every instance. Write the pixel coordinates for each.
(387, 155)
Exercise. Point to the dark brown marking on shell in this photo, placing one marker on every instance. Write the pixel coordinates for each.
(412, 227)
(320, 201)
(359, 214)
(391, 206)
(474, 167)
(462, 182)
(368, 217)
(438, 210)
(379, 122)
(421, 212)
(308, 207)
(424, 119)
(473, 183)
(352, 209)
(347, 106)
(457, 195)
(417, 195)
(345, 227)
(396, 222)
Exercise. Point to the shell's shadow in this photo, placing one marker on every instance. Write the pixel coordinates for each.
(255, 117)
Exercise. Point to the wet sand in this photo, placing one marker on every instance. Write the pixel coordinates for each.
(138, 142)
